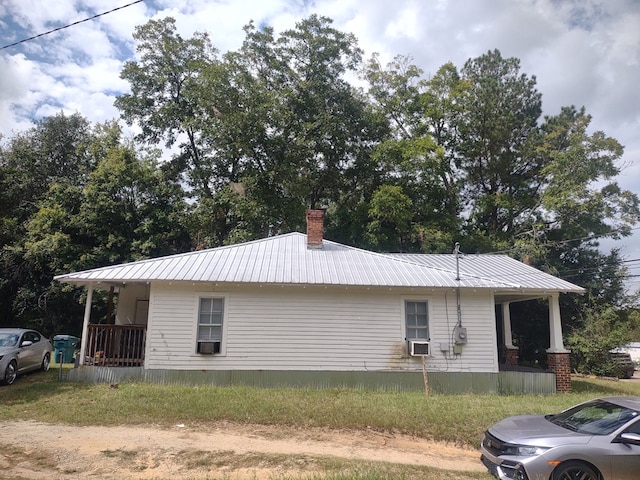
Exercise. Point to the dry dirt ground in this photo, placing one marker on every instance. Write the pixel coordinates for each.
(30, 450)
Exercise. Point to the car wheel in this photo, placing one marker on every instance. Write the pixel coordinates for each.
(46, 362)
(575, 471)
(10, 373)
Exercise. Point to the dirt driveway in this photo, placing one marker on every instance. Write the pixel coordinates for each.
(33, 450)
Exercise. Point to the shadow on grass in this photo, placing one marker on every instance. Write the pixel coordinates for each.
(33, 386)
(605, 387)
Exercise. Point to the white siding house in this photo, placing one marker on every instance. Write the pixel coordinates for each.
(315, 328)
(281, 305)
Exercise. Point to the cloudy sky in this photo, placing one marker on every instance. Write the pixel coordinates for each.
(582, 52)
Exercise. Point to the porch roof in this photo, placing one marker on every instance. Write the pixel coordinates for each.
(286, 260)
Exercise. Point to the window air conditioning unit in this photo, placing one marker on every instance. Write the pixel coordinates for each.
(208, 348)
(419, 348)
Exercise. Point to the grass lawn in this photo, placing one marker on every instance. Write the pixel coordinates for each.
(458, 419)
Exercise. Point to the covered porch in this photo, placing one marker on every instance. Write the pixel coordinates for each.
(557, 354)
(118, 344)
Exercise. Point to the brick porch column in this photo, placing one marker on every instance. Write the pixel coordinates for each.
(511, 355)
(559, 364)
(557, 355)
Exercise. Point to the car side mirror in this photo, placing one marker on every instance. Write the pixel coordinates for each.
(632, 438)
(26, 343)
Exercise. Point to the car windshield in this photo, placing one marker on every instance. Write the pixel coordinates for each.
(598, 417)
(8, 340)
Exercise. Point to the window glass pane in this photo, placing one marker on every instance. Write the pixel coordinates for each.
(416, 320)
(421, 307)
(205, 305)
(216, 334)
(213, 334)
(635, 428)
(204, 333)
(210, 319)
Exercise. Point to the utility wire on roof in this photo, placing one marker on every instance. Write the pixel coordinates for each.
(70, 25)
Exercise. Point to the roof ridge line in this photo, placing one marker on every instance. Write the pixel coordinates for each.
(421, 265)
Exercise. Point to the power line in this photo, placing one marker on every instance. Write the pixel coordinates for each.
(70, 25)
(562, 242)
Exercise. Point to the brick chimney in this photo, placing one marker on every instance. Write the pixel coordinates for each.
(315, 228)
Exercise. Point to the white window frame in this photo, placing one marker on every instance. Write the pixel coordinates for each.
(223, 333)
(403, 310)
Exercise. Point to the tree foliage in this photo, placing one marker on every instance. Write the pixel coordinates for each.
(404, 162)
(494, 146)
(590, 341)
(164, 100)
(94, 201)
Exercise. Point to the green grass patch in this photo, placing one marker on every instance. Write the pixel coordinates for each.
(458, 419)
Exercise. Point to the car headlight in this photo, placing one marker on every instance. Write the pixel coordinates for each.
(526, 450)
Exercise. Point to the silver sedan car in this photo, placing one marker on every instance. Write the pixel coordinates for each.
(22, 350)
(596, 440)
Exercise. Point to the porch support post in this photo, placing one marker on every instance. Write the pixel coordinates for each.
(511, 351)
(506, 325)
(85, 323)
(555, 326)
(557, 355)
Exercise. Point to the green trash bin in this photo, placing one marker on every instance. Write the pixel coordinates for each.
(64, 348)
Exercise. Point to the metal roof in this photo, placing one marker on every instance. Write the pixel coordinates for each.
(496, 267)
(286, 260)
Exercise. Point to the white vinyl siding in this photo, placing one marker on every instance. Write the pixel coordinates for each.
(312, 328)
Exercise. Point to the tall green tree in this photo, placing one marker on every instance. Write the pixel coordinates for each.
(494, 149)
(115, 206)
(541, 188)
(163, 100)
(390, 214)
(277, 117)
(54, 151)
(316, 132)
(128, 210)
(581, 195)
(414, 155)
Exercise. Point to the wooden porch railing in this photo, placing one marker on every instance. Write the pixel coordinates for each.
(115, 345)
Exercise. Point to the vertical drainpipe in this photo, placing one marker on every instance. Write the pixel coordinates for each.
(85, 323)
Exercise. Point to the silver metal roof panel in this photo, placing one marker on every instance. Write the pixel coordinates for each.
(286, 260)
